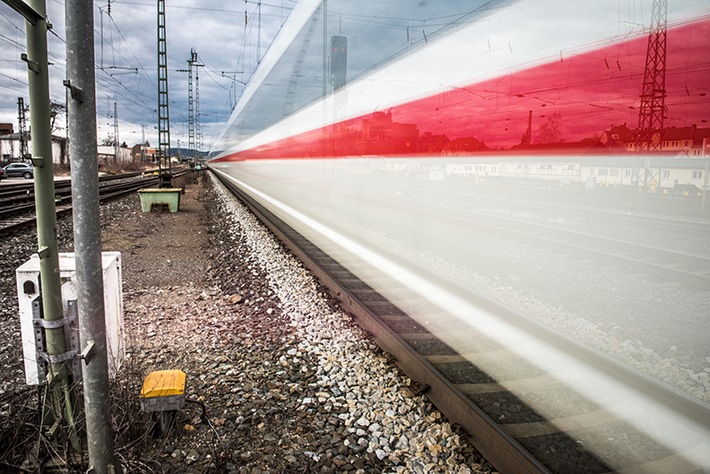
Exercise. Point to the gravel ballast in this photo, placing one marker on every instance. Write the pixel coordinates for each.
(287, 380)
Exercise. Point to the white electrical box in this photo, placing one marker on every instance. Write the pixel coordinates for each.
(28, 289)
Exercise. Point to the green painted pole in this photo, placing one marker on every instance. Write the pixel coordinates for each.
(44, 172)
(59, 393)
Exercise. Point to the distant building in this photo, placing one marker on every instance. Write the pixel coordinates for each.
(381, 135)
(10, 148)
(6, 129)
(691, 142)
(141, 153)
(108, 155)
(432, 144)
(619, 140)
(616, 138)
(665, 173)
(463, 146)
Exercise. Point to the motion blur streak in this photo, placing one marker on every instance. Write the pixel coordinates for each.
(445, 135)
(290, 191)
(576, 64)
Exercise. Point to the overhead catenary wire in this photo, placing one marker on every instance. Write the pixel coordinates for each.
(135, 95)
(219, 10)
(140, 67)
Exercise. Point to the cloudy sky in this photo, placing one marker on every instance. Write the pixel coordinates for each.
(230, 38)
(126, 61)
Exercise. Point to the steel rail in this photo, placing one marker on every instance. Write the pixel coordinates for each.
(593, 246)
(495, 444)
(23, 215)
(500, 444)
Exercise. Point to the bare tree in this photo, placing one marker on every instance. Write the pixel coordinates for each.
(108, 141)
(56, 109)
(550, 131)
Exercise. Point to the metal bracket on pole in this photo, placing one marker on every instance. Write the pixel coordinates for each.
(32, 65)
(39, 339)
(58, 358)
(88, 353)
(43, 252)
(71, 338)
(29, 13)
(37, 161)
(76, 93)
(54, 324)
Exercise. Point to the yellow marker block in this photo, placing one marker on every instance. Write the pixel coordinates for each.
(163, 390)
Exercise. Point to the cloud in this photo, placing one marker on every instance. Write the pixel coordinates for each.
(126, 61)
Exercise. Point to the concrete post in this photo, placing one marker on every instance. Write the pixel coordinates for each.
(87, 231)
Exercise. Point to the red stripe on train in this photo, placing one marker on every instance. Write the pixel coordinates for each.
(571, 102)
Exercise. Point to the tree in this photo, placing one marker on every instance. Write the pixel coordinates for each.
(108, 141)
(550, 131)
(55, 109)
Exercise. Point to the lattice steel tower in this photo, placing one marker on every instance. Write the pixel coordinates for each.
(163, 108)
(649, 134)
(198, 130)
(22, 125)
(193, 103)
(116, 142)
(653, 94)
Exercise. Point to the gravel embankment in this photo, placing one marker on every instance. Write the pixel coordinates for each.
(289, 382)
(655, 326)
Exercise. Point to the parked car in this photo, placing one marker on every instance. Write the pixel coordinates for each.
(2, 174)
(19, 169)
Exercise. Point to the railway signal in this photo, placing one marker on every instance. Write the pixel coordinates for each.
(338, 61)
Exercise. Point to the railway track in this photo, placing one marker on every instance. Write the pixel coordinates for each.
(664, 213)
(670, 265)
(686, 268)
(668, 214)
(531, 399)
(605, 199)
(17, 199)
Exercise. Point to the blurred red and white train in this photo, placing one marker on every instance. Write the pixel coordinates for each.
(390, 99)
(487, 79)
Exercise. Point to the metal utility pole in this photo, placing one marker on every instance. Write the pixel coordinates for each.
(142, 143)
(190, 112)
(193, 103)
(258, 34)
(194, 106)
(527, 138)
(22, 125)
(653, 94)
(198, 129)
(116, 145)
(324, 6)
(87, 232)
(163, 106)
(58, 399)
(324, 112)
